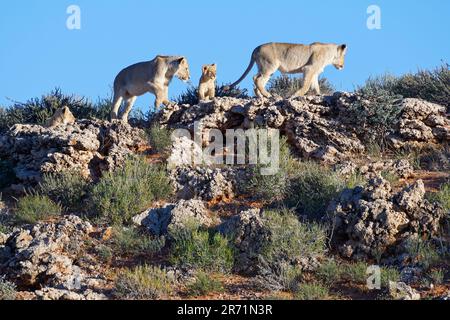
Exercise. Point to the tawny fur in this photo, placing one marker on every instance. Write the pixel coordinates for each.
(152, 76)
(310, 60)
(62, 116)
(207, 85)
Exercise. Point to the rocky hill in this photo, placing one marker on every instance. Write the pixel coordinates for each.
(337, 206)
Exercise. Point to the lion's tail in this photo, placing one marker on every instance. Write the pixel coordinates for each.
(250, 66)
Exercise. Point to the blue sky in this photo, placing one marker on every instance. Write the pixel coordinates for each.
(38, 52)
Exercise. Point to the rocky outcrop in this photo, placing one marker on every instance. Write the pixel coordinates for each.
(319, 127)
(208, 183)
(401, 291)
(44, 256)
(86, 147)
(368, 221)
(161, 221)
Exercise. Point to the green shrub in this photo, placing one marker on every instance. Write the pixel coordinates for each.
(7, 289)
(34, 208)
(286, 86)
(131, 242)
(329, 273)
(160, 139)
(143, 283)
(204, 284)
(68, 189)
(355, 272)
(273, 187)
(375, 115)
(313, 188)
(290, 239)
(290, 277)
(39, 110)
(442, 196)
(201, 250)
(423, 253)
(120, 195)
(311, 291)
(389, 274)
(429, 85)
(7, 174)
(190, 96)
(437, 276)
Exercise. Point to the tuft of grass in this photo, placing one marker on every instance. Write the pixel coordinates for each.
(311, 291)
(329, 273)
(290, 277)
(8, 290)
(355, 272)
(160, 139)
(289, 238)
(34, 208)
(202, 250)
(204, 284)
(68, 189)
(143, 283)
(313, 188)
(132, 242)
(129, 190)
(442, 196)
(286, 86)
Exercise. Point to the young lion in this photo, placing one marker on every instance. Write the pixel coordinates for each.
(207, 86)
(151, 76)
(61, 116)
(310, 60)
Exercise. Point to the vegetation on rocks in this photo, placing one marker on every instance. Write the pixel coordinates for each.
(34, 208)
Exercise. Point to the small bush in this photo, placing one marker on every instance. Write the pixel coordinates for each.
(131, 242)
(68, 189)
(311, 291)
(204, 284)
(423, 253)
(290, 277)
(330, 273)
(442, 196)
(313, 188)
(39, 110)
(389, 274)
(7, 289)
(291, 239)
(375, 115)
(34, 208)
(437, 276)
(201, 250)
(286, 86)
(129, 190)
(7, 174)
(355, 272)
(143, 283)
(160, 139)
(190, 96)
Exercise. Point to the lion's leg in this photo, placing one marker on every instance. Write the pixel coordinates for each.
(310, 73)
(315, 85)
(166, 100)
(129, 106)
(117, 102)
(160, 97)
(260, 83)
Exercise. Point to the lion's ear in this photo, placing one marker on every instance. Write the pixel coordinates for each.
(343, 48)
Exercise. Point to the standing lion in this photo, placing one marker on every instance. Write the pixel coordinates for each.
(151, 76)
(310, 60)
(207, 85)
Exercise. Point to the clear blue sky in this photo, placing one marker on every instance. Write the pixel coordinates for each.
(38, 52)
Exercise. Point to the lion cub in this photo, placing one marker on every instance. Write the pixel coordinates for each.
(61, 116)
(207, 86)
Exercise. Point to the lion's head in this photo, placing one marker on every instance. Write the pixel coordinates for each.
(182, 69)
(209, 71)
(339, 59)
